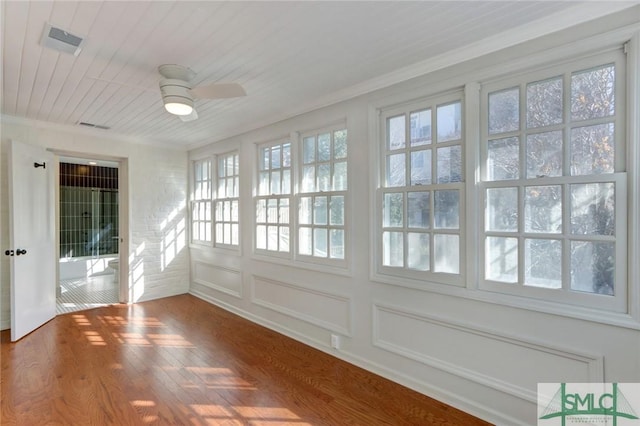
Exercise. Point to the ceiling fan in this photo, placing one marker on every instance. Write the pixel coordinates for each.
(178, 94)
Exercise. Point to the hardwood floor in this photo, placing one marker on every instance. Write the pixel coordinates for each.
(182, 361)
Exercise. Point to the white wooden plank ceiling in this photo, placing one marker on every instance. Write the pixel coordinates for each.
(289, 56)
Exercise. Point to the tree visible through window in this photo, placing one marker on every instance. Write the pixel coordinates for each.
(551, 183)
(422, 190)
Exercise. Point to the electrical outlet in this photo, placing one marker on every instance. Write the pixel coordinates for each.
(335, 341)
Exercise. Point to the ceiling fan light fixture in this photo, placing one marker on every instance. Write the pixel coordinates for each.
(176, 97)
(178, 107)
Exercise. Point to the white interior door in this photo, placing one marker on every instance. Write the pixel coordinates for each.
(32, 237)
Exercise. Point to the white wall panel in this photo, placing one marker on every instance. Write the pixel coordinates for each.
(506, 363)
(220, 278)
(322, 309)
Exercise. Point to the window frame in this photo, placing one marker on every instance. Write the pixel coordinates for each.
(404, 275)
(258, 197)
(565, 69)
(204, 200)
(300, 194)
(217, 200)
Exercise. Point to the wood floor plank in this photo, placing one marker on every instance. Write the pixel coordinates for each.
(182, 361)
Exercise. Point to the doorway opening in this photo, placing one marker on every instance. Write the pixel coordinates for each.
(88, 234)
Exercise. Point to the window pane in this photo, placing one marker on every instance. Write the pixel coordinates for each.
(593, 93)
(447, 209)
(503, 159)
(337, 244)
(229, 169)
(235, 234)
(340, 176)
(320, 242)
(304, 214)
(226, 211)
(234, 210)
(286, 181)
(340, 144)
(263, 186)
(502, 209)
(275, 182)
(324, 177)
(261, 237)
(304, 241)
(446, 253)
(324, 147)
(227, 233)
(504, 111)
(593, 209)
(272, 210)
(592, 149)
(449, 121)
(229, 188)
(320, 211)
(308, 178)
(543, 263)
(392, 249)
(275, 157)
(543, 209)
(337, 210)
(418, 251)
(449, 165)
(272, 238)
(593, 267)
(308, 150)
(544, 103)
(283, 213)
(286, 154)
(395, 170)
(501, 259)
(395, 133)
(544, 154)
(265, 153)
(219, 233)
(261, 211)
(284, 238)
(421, 127)
(418, 209)
(421, 167)
(393, 210)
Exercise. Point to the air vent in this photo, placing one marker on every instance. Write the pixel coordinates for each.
(61, 40)
(96, 126)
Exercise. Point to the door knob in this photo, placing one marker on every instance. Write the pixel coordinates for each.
(20, 251)
(8, 252)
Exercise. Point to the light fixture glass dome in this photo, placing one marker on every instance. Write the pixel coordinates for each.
(178, 108)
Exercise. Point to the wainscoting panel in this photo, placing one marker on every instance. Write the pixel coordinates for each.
(505, 363)
(220, 278)
(329, 311)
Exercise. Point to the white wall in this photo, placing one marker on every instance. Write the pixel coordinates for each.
(158, 258)
(475, 351)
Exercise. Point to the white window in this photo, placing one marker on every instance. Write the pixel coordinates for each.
(553, 183)
(201, 202)
(323, 188)
(273, 198)
(422, 190)
(226, 203)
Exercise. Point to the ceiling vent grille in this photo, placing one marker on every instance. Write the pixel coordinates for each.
(61, 40)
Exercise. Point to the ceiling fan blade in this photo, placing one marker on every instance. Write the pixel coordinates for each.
(218, 91)
(190, 117)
